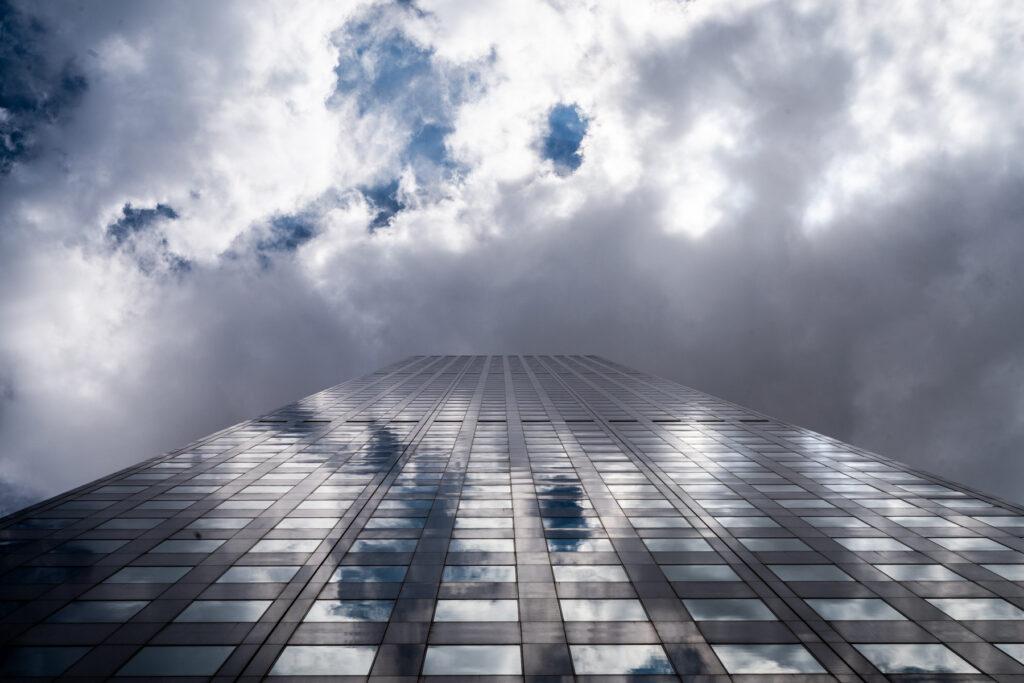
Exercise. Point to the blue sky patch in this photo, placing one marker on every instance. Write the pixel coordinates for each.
(384, 199)
(566, 129)
(390, 73)
(151, 254)
(427, 144)
(134, 220)
(386, 73)
(288, 232)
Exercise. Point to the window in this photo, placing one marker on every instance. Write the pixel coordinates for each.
(767, 659)
(477, 610)
(900, 658)
(324, 660)
(729, 609)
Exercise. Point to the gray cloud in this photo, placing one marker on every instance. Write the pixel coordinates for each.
(802, 211)
(37, 89)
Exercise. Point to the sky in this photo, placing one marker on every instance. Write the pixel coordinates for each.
(210, 209)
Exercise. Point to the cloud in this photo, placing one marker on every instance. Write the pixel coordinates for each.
(808, 208)
(37, 88)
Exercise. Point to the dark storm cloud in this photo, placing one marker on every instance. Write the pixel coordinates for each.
(37, 88)
(791, 207)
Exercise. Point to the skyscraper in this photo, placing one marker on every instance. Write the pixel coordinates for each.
(514, 516)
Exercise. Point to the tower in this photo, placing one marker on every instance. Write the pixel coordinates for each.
(513, 516)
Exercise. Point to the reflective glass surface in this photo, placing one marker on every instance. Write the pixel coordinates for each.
(767, 659)
(602, 610)
(472, 660)
(199, 660)
(224, 610)
(728, 609)
(854, 609)
(809, 572)
(220, 523)
(360, 574)
(474, 573)
(274, 545)
(590, 572)
(903, 658)
(979, 609)
(1010, 572)
(477, 610)
(187, 546)
(40, 661)
(99, 611)
(699, 572)
(130, 523)
(579, 545)
(324, 660)
(871, 544)
(635, 660)
(919, 572)
(776, 545)
(350, 610)
(969, 544)
(541, 517)
(149, 575)
(257, 574)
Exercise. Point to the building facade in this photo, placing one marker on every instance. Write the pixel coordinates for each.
(515, 517)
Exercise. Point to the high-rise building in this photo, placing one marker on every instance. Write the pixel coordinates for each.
(515, 516)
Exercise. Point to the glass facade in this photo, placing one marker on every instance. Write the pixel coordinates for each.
(515, 517)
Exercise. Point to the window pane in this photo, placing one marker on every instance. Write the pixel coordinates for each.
(589, 572)
(854, 609)
(809, 572)
(200, 660)
(919, 572)
(980, 609)
(477, 610)
(915, 659)
(258, 574)
(699, 572)
(40, 661)
(99, 611)
(472, 660)
(324, 660)
(767, 659)
(224, 610)
(729, 609)
(149, 575)
(602, 610)
(350, 610)
(478, 573)
(597, 660)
